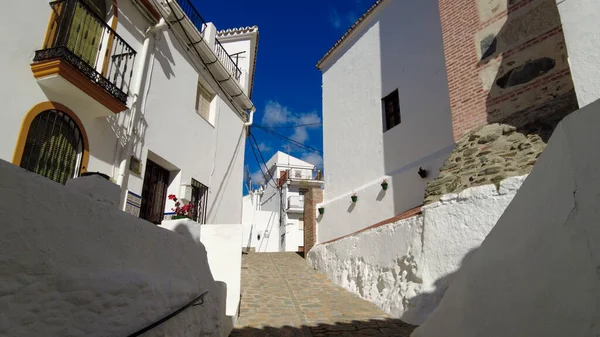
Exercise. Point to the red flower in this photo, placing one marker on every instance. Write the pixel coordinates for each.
(172, 197)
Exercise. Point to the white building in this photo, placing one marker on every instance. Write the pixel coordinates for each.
(143, 91)
(273, 215)
(386, 114)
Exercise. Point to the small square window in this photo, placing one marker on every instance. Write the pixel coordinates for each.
(203, 100)
(391, 110)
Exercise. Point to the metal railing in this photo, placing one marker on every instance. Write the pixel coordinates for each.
(82, 38)
(191, 12)
(173, 314)
(227, 61)
(224, 57)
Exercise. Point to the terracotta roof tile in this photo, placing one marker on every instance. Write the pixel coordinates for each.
(237, 31)
(404, 215)
(349, 31)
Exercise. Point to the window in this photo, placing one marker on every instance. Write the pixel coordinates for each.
(301, 224)
(391, 110)
(203, 100)
(199, 200)
(53, 147)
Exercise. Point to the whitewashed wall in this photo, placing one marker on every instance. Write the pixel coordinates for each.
(383, 54)
(538, 267)
(22, 92)
(187, 144)
(77, 267)
(405, 267)
(582, 35)
(260, 228)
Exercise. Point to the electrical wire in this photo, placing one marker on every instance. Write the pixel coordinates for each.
(273, 133)
(288, 126)
(260, 165)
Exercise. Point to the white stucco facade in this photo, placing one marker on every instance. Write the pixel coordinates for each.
(405, 267)
(582, 35)
(76, 266)
(273, 215)
(167, 129)
(538, 267)
(379, 56)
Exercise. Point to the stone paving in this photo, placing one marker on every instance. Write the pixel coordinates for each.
(283, 296)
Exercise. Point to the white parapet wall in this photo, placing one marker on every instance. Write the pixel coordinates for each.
(224, 251)
(73, 266)
(405, 267)
(536, 274)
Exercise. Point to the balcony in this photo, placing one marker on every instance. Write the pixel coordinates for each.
(295, 204)
(226, 60)
(199, 36)
(84, 63)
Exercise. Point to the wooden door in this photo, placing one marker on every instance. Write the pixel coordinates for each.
(154, 192)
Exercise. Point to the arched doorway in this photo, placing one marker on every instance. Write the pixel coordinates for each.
(52, 143)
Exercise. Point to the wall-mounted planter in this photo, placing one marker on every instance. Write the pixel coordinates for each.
(422, 173)
(321, 210)
(354, 198)
(177, 217)
(384, 185)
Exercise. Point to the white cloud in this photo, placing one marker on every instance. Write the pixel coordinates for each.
(314, 158)
(334, 19)
(278, 115)
(262, 146)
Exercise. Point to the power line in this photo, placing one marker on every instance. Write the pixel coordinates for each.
(273, 133)
(261, 157)
(259, 164)
(289, 126)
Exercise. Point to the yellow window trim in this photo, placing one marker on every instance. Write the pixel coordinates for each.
(51, 31)
(36, 110)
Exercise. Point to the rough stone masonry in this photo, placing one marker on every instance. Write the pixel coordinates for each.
(487, 155)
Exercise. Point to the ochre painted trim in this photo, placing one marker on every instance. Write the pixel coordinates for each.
(36, 110)
(68, 72)
(155, 14)
(51, 30)
(111, 38)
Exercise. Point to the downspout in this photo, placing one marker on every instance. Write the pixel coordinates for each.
(251, 118)
(140, 70)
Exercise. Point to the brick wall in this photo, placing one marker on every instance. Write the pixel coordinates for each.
(506, 62)
(311, 199)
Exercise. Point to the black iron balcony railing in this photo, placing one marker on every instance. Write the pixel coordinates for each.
(224, 57)
(227, 61)
(82, 38)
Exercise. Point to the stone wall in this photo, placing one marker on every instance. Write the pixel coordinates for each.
(486, 156)
(405, 267)
(536, 273)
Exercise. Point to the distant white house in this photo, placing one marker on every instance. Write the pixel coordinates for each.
(273, 215)
(143, 91)
(386, 115)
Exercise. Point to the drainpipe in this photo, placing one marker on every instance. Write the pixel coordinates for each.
(140, 70)
(251, 118)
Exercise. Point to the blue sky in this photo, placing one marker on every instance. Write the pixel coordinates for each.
(293, 36)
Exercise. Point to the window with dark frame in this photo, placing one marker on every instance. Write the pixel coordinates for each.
(391, 110)
(199, 200)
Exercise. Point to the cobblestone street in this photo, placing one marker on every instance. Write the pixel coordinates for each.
(283, 296)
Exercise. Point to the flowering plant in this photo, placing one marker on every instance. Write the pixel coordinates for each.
(384, 181)
(181, 211)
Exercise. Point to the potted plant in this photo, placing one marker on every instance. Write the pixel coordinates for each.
(321, 210)
(354, 197)
(181, 212)
(384, 184)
